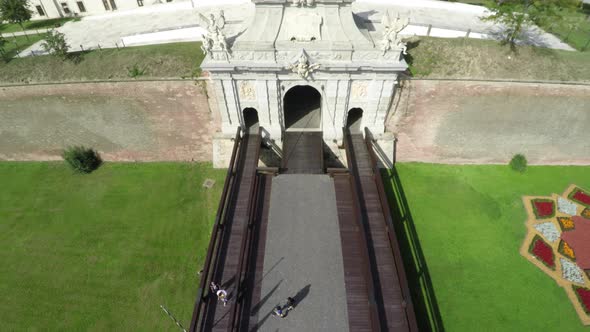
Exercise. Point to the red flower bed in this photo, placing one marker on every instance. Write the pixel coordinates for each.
(581, 197)
(584, 297)
(543, 251)
(543, 208)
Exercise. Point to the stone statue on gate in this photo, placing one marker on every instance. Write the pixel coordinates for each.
(214, 39)
(302, 67)
(391, 29)
(304, 3)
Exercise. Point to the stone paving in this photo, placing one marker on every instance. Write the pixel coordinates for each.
(303, 257)
(145, 121)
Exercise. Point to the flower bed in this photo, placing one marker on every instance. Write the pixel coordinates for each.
(543, 208)
(566, 250)
(566, 206)
(558, 231)
(580, 196)
(566, 223)
(543, 252)
(548, 230)
(570, 271)
(584, 297)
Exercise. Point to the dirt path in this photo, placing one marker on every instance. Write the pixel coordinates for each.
(146, 121)
(478, 123)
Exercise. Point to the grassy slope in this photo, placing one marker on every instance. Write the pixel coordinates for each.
(481, 59)
(19, 43)
(32, 25)
(101, 252)
(166, 60)
(470, 225)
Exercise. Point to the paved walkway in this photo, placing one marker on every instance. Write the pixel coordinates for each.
(303, 237)
(170, 22)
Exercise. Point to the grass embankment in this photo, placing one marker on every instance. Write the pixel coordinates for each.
(33, 25)
(102, 251)
(577, 34)
(18, 44)
(573, 28)
(483, 59)
(469, 225)
(167, 60)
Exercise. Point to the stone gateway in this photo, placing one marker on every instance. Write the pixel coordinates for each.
(289, 45)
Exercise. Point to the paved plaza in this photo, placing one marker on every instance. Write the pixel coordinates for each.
(170, 22)
(303, 257)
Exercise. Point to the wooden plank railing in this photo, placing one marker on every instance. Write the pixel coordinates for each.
(375, 321)
(401, 272)
(216, 234)
(236, 306)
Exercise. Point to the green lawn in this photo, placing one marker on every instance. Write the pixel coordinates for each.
(468, 222)
(20, 43)
(578, 36)
(485, 59)
(178, 60)
(102, 252)
(32, 25)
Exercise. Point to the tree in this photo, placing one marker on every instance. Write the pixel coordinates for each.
(15, 11)
(55, 43)
(515, 15)
(3, 42)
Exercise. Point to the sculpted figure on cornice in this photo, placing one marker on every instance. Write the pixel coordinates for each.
(302, 66)
(391, 29)
(304, 3)
(214, 39)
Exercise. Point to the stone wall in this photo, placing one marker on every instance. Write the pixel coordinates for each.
(127, 121)
(489, 122)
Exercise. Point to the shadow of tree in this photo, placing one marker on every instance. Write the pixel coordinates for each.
(420, 283)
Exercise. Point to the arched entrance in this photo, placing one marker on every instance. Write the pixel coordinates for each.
(302, 108)
(250, 120)
(354, 120)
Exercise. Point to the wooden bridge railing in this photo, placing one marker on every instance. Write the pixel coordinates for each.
(236, 306)
(216, 234)
(350, 157)
(401, 272)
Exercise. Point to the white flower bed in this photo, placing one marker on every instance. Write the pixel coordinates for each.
(570, 271)
(548, 230)
(566, 206)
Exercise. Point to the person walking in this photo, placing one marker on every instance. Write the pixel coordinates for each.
(222, 296)
(214, 287)
(278, 311)
(290, 304)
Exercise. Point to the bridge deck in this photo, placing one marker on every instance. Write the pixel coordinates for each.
(386, 273)
(357, 281)
(217, 316)
(303, 152)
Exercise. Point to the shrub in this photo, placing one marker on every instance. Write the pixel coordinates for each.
(518, 163)
(81, 159)
(135, 71)
(55, 43)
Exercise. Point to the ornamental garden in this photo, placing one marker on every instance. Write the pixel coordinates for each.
(558, 229)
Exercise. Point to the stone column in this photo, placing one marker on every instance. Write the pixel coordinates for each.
(385, 100)
(274, 108)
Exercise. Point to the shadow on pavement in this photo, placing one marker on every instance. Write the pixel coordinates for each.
(302, 294)
(423, 297)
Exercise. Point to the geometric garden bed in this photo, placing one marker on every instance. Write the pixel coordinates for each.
(558, 242)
